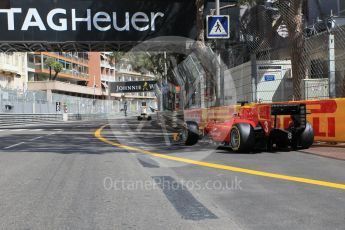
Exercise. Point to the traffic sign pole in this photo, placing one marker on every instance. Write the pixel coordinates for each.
(220, 72)
(217, 7)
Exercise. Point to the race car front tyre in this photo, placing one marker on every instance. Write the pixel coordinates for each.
(190, 133)
(242, 137)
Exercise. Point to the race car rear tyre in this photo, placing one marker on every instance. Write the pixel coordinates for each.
(140, 118)
(306, 138)
(242, 137)
(190, 133)
(149, 118)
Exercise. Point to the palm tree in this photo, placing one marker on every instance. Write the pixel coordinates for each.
(50, 62)
(53, 65)
(58, 67)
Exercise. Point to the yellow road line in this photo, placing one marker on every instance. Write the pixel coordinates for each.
(98, 135)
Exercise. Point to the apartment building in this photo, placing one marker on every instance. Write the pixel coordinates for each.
(75, 67)
(108, 69)
(80, 75)
(13, 71)
(123, 72)
(84, 75)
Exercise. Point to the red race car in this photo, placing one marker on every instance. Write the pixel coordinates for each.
(256, 127)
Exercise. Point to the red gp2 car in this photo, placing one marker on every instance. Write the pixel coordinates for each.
(256, 127)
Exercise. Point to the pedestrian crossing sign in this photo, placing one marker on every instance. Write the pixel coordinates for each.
(218, 26)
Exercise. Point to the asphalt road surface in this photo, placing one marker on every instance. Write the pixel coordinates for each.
(131, 175)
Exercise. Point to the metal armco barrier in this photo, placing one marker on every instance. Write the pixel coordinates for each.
(25, 119)
(327, 117)
(7, 120)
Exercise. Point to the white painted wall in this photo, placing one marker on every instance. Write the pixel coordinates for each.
(238, 82)
(11, 66)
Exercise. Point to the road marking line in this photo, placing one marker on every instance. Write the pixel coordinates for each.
(98, 135)
(14, 145)
(36, 138)
(18, 130)
(36, 130)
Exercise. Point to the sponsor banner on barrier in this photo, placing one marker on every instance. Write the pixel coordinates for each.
(326, 116)
(132, 86)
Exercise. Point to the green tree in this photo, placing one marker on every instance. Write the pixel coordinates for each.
(50, 62)
(143, 62)
(58, 67)
(116, 57)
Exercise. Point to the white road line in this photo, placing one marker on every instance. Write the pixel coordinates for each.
(36, 138)
(18, 130)
(51, 134)
(14, 145)
(36, 130)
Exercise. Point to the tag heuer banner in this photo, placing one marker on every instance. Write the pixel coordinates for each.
(95, 20)
(132, 86)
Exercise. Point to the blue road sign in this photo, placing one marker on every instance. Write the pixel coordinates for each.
(270, 77)
(218, 27)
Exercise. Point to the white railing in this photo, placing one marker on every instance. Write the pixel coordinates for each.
(108, 78)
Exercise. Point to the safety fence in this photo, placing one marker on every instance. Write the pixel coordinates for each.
(326, 116)
(260, 52)
(36, 102)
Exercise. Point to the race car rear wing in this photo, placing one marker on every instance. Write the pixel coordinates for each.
(298, 113)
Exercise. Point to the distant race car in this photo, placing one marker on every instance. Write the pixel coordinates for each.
(256, 127)
(144, 115)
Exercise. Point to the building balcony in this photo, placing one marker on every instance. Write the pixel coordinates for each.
(64, 87)
(108, 78)
(69, 58)
(106, 64)
(66, 73)
(133, 73)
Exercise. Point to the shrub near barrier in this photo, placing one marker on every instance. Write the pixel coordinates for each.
(327, 117)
